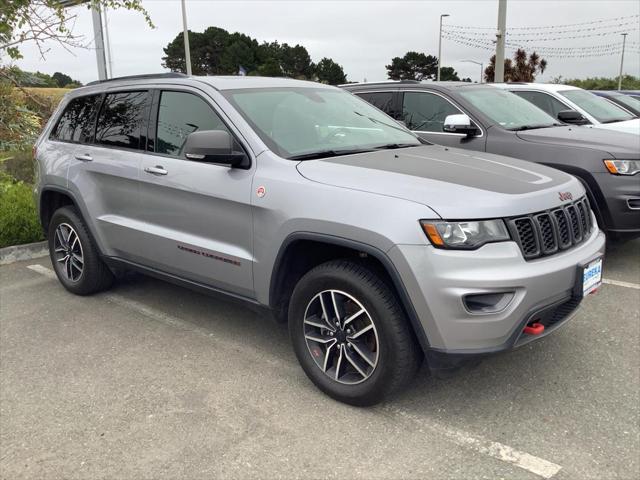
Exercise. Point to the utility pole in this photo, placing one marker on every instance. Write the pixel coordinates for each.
(187, 53)
(500, 37)
(624, 40)
(108, 43)
(440, 44)
(96, 18)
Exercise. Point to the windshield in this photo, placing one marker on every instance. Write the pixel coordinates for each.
(599, 108)
(628, 101)
(296, 122)
(507, 109)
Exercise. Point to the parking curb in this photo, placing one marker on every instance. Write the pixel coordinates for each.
(16, 253)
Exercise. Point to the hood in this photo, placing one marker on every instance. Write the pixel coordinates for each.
(608, 141)
(627, 126)
(455, 183)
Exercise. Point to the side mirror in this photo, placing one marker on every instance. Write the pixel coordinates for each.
(572, 117)
(459, 123)
(214, 146)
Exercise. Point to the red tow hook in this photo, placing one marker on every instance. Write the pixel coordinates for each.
(534, 329)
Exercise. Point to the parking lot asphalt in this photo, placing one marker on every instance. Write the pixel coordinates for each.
(150, 380)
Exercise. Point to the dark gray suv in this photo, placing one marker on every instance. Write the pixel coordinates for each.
(486, 119)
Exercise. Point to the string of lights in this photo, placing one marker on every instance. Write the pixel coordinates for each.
(630, 18)
(630, 25)
(552, 52)
(546, 38)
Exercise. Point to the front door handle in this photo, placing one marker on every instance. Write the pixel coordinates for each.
(157, 170)
(84, 158)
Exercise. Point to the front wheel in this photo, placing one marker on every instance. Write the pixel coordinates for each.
(350, 334)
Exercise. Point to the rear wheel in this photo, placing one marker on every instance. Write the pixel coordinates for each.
(350, 334)
(74, 256)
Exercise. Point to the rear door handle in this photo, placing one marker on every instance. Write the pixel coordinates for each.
(157, 170)
(84, 158)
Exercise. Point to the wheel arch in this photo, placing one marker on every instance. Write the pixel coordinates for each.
(52, 198)
(285, 273)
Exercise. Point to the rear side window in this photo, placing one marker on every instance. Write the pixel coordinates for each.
(77, 121)
(544, 101)
(179, 114)
(121, 119)
(426, 112)
(381, 100)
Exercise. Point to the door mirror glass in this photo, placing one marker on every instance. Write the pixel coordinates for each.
(214, 146)
(573, 117)
(460, 123)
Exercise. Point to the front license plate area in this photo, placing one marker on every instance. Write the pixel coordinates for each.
(591, 276)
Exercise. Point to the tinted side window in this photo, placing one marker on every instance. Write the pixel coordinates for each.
(121, 118)
(544, 101)
(426, 112)
(381, 100)
(180, 114)
(77, 120)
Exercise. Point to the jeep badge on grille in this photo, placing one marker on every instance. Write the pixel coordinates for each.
(565, 196)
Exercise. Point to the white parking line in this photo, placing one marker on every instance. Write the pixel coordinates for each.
(620, 283)
(538, 466)
(499, 451)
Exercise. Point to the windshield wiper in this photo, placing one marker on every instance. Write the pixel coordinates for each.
(534, 127)
(327, 153)
(392, 146)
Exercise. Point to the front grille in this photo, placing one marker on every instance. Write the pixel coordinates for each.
(545, 233)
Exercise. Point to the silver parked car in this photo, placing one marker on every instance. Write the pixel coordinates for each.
(378, 248)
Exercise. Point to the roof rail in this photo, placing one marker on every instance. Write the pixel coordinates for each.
(378, 83)
(141, 77)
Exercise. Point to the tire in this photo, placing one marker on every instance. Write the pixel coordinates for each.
(76, 262)
(368, 364)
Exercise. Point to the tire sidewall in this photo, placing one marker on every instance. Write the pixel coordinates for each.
(372, 389)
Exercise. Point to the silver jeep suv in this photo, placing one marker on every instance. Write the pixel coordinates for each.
(378, 248)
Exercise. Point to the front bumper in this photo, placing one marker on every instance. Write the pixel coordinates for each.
(621, 194)
(438, 281)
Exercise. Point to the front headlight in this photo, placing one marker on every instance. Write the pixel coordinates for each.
(623, 167)
(465, 235)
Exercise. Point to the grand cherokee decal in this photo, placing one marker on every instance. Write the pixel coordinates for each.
(209, 255)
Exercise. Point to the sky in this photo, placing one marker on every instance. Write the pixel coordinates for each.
(362, 36)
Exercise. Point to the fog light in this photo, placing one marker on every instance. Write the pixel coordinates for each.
(484, 303)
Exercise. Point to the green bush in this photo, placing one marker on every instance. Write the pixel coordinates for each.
(18, 218)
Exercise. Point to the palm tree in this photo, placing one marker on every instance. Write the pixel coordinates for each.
(522, 68)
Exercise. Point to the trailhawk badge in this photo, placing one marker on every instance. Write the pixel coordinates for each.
(261, 191)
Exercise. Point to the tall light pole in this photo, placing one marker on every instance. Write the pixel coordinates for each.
(440, 44)
(477, 63)
(624, 40)
(500, 37)
(187, 53)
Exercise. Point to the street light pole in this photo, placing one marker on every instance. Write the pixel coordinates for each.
(440, 44)
(624, 40)
(477, 63)
(187, 53)
(500, 38)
